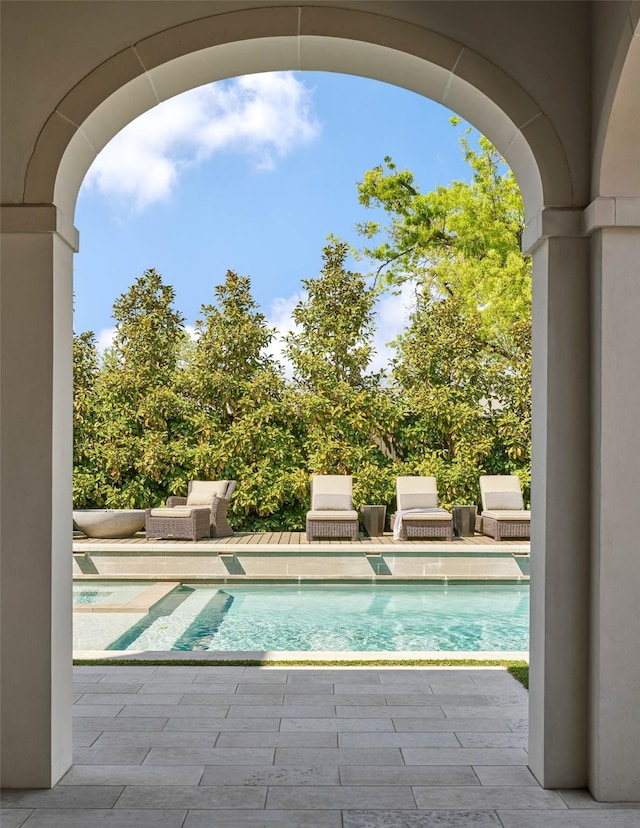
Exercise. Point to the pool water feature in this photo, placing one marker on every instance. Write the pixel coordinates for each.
(309, 617)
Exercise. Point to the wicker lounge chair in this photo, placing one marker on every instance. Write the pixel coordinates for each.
(419, 515)
(215, 494)
(332, 514)
(180, 523)
(503, 513)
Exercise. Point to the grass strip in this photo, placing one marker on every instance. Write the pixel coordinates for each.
(193, 662)
(520, 671)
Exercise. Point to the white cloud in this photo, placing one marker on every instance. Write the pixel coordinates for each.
(104, 339)
(262, 116)
(391, 316)
(280, 317)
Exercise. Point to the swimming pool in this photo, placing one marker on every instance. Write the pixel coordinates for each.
(283, 617)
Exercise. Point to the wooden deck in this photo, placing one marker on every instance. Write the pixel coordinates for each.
(279, 541)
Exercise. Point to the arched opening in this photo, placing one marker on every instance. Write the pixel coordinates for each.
(136, 78)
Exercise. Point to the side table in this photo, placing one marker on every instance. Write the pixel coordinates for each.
(373, 517)
(464, 521)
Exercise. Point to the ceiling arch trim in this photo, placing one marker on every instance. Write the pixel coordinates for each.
(279, 38)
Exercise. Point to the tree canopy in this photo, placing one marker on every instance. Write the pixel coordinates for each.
(160, 408)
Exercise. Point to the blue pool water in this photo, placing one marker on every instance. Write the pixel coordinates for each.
(336, 617)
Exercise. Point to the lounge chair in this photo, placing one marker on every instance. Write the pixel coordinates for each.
(332, 514)
(503, 513)
(418, 514)
(215, 494)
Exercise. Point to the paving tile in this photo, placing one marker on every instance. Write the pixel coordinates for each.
(172, 711)
(505, 775)
(432, 698)
(62, 796)
(210, 756)
(271, 775)
(293, 698)
(390, 711)
(85, 738)
(107, 688)
(283, 687)
(155, 688)
(102, 710)
(192, 796)
(457, 688)
(311, 688)
(126, 674)
(482, 797)
(129, 698)
(89, 673)
(511, 711)
(290, 711)
(109, 755)
(518, 725)
(338, 756)
(278, 739)
(132, 775)
(85, 818)
(149, 739)
(179, 672)
(508, 697)
(337, 725)
(264, 819)
(189, 725)
(15, 818)
(493, 740)
(420, 689)
(428, 739)
(333, 677)
(455, 725)
(115, 725)
(234, 698)
(416, 775)
(420, 819)
(583, 799)
(569, 819)
(350, 796)
(465, 756)
(217, 675)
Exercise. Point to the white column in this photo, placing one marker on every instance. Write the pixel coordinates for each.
(615, 511)
(558, 737)
(36, 481)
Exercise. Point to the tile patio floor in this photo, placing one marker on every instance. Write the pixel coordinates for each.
(302, 747)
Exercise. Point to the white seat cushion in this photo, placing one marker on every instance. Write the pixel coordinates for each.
(175, 512)
(203, 491)
(330, 514)
(419, 500)
(498, 501)
(433, 514)
(332, 501)
(507, 514)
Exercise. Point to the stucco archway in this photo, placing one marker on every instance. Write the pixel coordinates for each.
(132, 75)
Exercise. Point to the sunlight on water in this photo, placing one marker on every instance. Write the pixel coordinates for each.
(310, 617)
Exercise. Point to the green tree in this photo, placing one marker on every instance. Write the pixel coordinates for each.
(86, 366)
(345, 412)
(463, 239)
(462, 371)
(243, 427)
(142, 420)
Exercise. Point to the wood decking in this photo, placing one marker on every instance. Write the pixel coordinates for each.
(275, 541)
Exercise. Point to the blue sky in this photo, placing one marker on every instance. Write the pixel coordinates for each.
(250, 174)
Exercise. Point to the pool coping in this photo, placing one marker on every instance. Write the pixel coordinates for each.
(221, 656)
